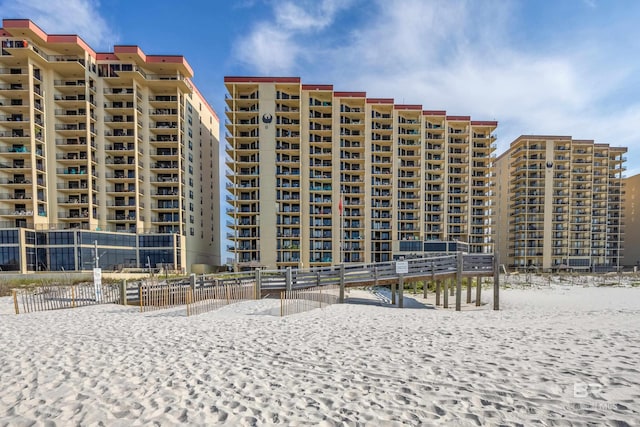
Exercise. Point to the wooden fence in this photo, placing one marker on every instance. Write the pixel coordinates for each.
(160, 296)
(42, 298)
(154, 295)
(202, 300)
(299, 300)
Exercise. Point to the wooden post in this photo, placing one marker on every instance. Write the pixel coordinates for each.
(433, 275)
(445, 294)
(393, 293)
(438, 292)
(415, 287)
(287, 278)
(282, 303)
(496, 282)
(123, 292)
(469, 286)
(318, 278)
(401, 291)
(459, 283)
(73, 297)
(140, 296)
(192, 281)
(341, 298)
(375, 275)
(189, 294)
(478, 290)
(15, 301)
(258, 287)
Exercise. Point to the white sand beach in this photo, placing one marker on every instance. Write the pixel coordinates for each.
(558, 355)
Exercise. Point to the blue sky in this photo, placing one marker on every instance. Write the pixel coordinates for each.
(568, 67)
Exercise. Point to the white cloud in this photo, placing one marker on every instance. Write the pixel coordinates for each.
(268, 50)
(465, 57)
(278, 46)
(306, 16)
(80, 17)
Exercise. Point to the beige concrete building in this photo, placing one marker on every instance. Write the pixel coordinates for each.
(319, 177)
(560, 204)
(632, 221)
(118, 142)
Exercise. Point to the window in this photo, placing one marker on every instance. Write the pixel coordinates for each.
(9, 258)
(8, 236)
(157, 241)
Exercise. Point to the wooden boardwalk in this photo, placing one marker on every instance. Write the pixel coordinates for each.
(445, 273)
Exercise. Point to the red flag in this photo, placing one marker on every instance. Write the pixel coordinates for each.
(340, 206)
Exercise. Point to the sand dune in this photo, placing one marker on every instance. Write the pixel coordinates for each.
(553, 356)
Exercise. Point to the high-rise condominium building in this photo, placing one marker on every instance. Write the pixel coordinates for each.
(632, 221)
(116, 148)
(560, 204)
(319, 177)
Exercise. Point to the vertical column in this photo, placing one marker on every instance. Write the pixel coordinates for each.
(287, 278)
(341, 297)
(469, 285)
(496, 283)
(393, 293)
(258, 290)
(123, 292)
(445, 294)
(401, 291)
(438, 292)
(459, 282)
(478, 290)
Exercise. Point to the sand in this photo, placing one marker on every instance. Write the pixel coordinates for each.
(554, 355)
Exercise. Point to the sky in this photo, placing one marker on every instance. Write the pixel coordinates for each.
(562, 67)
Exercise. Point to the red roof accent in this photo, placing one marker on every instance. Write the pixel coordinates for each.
(379, 100)
(350, 94)
(27, 24)
(238, 79)
(407, 107)
(484, 123)
(24, 23)
(434, 113)
(459, 118)
(317, 87)
(129, 49)
(106, 56)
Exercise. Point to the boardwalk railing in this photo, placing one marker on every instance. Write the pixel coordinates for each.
(299, 300)
(435, 267)
(42, 298)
